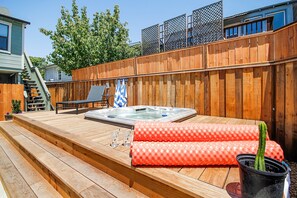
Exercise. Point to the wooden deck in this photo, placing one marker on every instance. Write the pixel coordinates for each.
(93, 134)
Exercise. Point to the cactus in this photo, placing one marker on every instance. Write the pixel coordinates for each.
(259, 162)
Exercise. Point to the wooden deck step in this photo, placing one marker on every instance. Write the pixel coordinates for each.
(19, 178)
(153, 182)
(71, 176)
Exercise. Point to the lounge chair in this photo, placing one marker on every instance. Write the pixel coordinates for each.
(95, 95)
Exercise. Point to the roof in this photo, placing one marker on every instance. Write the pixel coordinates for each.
(51, 66)
(15, 19)
(261, 9)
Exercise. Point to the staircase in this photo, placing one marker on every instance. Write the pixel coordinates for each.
(38, 96)
(31, 166)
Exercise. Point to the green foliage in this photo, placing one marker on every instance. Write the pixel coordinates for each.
(260, 162)
(79, 43)
(136, 49)
(39, 62)
(16, 106)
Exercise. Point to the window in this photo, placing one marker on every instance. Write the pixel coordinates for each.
(59, 75)
(278, 19)
(231, 32)
(254, 27)
(5, 36)
(259, 26)
(227, 33)
(264, 26)
(249, 28)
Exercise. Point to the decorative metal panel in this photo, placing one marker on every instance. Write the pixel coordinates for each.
(150, 40)
(208, 23)
(175, 33)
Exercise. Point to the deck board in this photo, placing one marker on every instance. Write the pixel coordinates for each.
(100, 133)
(15, 183)
(72, 168)
(33, 179)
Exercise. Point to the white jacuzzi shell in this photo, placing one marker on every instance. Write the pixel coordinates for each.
(130, 115)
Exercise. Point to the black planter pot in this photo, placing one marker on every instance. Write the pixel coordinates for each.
(254, 183)
(8, 117)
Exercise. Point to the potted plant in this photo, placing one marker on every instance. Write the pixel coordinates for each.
(8, 116)
(16, 106)
(261, 176)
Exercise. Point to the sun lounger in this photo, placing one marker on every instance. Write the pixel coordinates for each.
(95, 95)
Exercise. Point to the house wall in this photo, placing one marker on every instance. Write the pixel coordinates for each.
(295, 11)
(13, 61)
(52, 74)
(65, 77)
(289, 15)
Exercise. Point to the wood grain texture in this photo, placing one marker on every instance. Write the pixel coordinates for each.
(255, 86)
(250, 49)
(9, 92)
(36, 182)
(84, 148)
(15, 185)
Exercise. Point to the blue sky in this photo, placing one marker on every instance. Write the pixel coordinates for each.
(138, 14)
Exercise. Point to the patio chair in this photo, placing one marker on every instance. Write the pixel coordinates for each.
(95, 95)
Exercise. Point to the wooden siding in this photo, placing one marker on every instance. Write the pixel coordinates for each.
(9, 92)
(10, 62)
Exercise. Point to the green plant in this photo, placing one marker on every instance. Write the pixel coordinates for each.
(260, 162)
(16, 106)
(80, 41)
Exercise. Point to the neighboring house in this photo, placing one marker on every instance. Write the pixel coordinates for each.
(54, 74)
(11, 47)
(260, 20)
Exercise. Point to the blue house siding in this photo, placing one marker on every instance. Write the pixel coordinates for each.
(52, 74)
(267, 18)
(11, 60)
(17, 39)
(287, 9)
(16, 36)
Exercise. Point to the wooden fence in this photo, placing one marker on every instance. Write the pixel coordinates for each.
(252, 77)
(9, 92)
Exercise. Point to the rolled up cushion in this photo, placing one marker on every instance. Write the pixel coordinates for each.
(193, 132)
(197, 153)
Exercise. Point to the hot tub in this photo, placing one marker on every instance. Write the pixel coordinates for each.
(130, 115)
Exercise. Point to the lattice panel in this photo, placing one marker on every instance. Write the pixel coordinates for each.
(175, 33)
(150, 40)
(208, 23)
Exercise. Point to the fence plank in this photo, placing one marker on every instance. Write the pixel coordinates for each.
(290, 106)
(266, 103)
(280, 104)
(248, 102)
(230, 94)
(9, 92)
(257, 93)
(214, 93)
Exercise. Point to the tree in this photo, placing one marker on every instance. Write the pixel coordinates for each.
(77, 43)
(40, 63)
